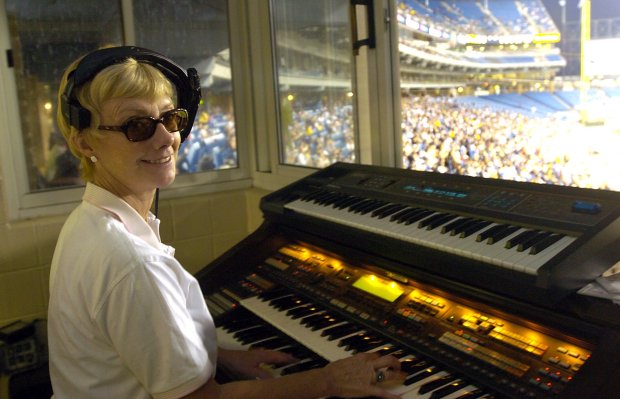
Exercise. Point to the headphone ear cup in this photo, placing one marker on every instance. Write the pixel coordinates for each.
(75, 114)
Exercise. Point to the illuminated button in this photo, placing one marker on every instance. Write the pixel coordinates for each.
(564, 365)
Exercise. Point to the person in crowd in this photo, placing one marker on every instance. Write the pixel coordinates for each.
(125, 319)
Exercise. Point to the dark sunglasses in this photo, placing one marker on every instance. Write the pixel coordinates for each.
(143, 127)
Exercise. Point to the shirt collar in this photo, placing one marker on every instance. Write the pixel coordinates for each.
(134, 223)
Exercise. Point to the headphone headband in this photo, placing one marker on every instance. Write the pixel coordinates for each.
(186, 83)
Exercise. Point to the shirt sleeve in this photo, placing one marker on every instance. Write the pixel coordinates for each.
(147, 321)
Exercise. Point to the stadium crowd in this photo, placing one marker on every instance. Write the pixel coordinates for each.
(445, 135)
(439, 134)
(212, 144)
(319, 137)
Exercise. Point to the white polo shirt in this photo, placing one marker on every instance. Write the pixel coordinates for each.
(125, 320)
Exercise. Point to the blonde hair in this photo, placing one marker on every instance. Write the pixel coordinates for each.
(128, 79)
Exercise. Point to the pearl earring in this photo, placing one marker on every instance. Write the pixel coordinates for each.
(93, 159)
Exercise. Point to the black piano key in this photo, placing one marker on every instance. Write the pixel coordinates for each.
(545, 243)
(454, 225)
(471, 229)
(359, 205)
(449, 389)
(338, 199)
(353, 207)
(354, 338)
(241, 322)
(416, 216)
(347, 201)
(288, 302)
(427, 372)
(437, 220)
(303, 311)
(491, 232)
(397, 209)
(335, 197)
(435, 384)
(321, 196)
(254, 329)
(387, 211)
(329, 200)
(298, 351)
(525, 245)
(501, 234)
(392, 350)
(233, 317)
(339, 331)
(372, 206)
(430, 219)
(312, 195)
(524, 236)
(304, 366)
(366, 344)
(411, 366)
(402, 215)
(320, 199)
(250, 336)
(324, 322)
(311, 319)
(461, 227)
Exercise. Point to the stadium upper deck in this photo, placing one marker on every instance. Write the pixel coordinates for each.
(447, 43)
(479, 17)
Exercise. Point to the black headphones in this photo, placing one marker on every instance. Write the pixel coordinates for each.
(187, 83)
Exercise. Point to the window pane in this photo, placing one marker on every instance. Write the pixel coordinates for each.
(45, 37)
(314, 74)
(490, 90)
(195, 34)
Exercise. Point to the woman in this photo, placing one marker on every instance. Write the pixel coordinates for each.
(125, 319)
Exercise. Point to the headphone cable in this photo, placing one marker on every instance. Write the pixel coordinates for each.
(156, 201)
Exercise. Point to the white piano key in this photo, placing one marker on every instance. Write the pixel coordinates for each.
(411, 391)
(226, 340)
(313, 340)
(461, 392)
(532, 265)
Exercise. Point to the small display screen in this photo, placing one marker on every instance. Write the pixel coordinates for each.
(437, 191)
(387, 290)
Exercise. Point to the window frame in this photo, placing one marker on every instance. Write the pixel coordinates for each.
(20, 203)
(377, 94)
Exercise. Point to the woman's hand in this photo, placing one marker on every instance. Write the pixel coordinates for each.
(252, 363)
(365, 374)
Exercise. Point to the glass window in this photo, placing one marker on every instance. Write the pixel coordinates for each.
(496, 91)
(314, 68)
(195, 34)
(45, 37)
